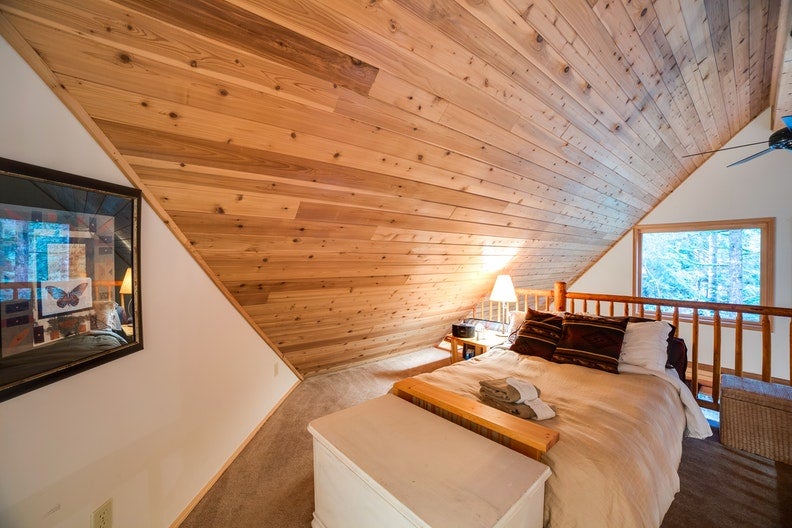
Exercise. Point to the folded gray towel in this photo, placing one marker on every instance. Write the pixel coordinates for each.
(517, 409)
(515, 396)
(499, 389)
(529, 395)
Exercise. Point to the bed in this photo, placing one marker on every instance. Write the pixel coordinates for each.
(615, 443)
(65, 351)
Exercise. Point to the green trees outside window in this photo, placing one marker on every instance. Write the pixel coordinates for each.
(728, 262)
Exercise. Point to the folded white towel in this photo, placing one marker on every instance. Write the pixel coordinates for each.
(530, 397)
(526, 389)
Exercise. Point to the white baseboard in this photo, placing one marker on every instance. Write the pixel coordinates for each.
(183, 515)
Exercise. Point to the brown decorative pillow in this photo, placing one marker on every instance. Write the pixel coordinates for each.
(590, 341)
(538, 334)
(677, 356)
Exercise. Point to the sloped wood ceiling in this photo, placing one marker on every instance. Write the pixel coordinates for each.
(355, 173)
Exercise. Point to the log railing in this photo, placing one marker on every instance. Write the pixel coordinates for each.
(536, 299)
(685, 316)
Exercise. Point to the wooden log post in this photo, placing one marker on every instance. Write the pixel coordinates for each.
(766, 347)
(559, 295)
(694, 353)
(716, 355)
(738, 344)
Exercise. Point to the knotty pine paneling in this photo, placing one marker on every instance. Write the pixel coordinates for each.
(355, 174)
(234, 26)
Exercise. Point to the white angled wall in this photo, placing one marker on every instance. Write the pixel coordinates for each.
(756, 189)
(148, 430)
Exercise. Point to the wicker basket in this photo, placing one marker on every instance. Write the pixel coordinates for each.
(757, 417)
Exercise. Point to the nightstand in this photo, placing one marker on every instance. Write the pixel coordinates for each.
(480, 345)
(129, 330)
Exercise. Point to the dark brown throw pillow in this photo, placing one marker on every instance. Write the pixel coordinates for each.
(677, 356)
(591, 341)
(538, 334)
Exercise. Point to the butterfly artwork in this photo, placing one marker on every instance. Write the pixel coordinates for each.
(63, 299)
(65, 296)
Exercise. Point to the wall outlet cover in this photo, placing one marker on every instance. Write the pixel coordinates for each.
(102, 517)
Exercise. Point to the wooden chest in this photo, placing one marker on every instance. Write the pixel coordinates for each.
(388, 463)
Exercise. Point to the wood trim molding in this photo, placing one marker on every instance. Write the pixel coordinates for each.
(767, 226)
(528, 438)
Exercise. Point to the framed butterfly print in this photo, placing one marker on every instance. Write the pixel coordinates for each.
(69, 275)
(61, 297)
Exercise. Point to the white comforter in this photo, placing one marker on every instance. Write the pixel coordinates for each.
(615, 464)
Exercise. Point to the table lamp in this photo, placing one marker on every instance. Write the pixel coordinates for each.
(126, 287)
(503, 292)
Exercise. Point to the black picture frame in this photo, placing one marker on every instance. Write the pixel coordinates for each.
(67, 243)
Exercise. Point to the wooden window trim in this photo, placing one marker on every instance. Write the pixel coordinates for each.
(767, 257)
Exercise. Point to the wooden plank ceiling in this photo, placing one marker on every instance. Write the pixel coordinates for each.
(353, 174)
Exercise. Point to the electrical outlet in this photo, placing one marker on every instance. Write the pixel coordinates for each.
(102, 517)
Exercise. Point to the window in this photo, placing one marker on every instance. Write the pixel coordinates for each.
(722, 262)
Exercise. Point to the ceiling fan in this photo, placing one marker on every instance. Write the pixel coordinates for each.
(780, 139)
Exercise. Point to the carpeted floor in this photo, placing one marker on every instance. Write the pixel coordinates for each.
(728, 488)
(270, 484)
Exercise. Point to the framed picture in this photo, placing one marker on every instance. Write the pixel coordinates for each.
(62, 297)
(69, 275)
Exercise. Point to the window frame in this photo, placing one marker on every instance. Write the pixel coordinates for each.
(767, 255)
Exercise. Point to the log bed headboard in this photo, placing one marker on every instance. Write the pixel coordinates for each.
(679, 313)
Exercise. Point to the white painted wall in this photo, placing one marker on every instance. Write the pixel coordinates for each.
(150, 429)
(757, 189)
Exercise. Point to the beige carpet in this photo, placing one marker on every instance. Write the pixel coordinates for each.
(729, 488)
(271, 483)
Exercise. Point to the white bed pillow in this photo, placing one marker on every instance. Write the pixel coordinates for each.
(645, 345)
(106, 316)
(516, 319)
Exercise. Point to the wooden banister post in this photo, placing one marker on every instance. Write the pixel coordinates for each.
(766, 346)
(694, 354)
(559, 294)
(716, 355)
(738, 344)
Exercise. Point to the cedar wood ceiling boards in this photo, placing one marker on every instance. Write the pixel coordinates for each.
(354, 173)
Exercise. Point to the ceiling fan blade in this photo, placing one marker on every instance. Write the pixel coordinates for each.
(749, 158)
(724, 148)
(780, 139)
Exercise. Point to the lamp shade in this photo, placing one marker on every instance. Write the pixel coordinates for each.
(126, 284)
(503, 291)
